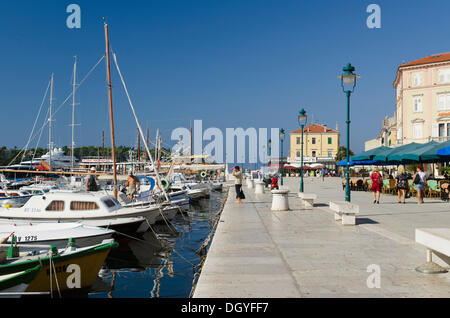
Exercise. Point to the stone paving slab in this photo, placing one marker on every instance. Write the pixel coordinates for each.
(305, 253)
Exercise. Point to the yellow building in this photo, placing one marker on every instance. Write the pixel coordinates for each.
(423, 100)
(320, 145)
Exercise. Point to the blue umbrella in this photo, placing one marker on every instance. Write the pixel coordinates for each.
(359, 163)
(444, 151)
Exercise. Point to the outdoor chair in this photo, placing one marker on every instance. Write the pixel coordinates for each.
(392, 187)
(369, 184)
(386, 188)
(432, 190)
(412, 189)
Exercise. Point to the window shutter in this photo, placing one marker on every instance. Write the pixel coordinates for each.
(441, 102)
(435, 131)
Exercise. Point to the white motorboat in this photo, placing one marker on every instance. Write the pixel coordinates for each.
(55, 158)
(13, 198)
(167, 211)
(89, 208)
(55, 234)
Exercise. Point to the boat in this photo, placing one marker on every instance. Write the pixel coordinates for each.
(54, 158)
(71, 269)
(89, 208)
(55, 234)
(166, 210)
(15, 284)
(13, 198)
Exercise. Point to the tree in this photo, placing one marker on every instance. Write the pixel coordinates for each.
(342, 153)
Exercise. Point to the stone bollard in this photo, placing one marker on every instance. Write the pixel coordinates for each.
(250, 183)
(280, 201)
(259, 187)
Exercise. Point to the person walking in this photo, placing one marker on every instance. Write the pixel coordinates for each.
(377, 182)
(401, 183)
(237, 174)
(420, 180)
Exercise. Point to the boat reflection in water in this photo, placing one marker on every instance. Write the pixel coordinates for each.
(165, 260)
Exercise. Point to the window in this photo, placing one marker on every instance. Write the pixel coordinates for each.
(417, 79)
(83, 206)
(313, 153)
(417, 131)
(417, 102)
(109, 203)
(330, 140)
(298, 141)
(448, 130)
(313, 141)
(441, 130)
(298, 153)
(55, 206)
(330, 153)
(443, 101)
(444, 76)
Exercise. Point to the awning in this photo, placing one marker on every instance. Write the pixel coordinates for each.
(384, 156)
(368, 155)
(426, 153)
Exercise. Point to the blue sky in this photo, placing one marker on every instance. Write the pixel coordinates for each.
(234, 63)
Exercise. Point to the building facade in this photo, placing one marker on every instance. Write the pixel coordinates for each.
(387, 136)
(320, 145)
(423, 100)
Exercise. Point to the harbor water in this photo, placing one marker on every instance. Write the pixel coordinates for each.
(166, 260)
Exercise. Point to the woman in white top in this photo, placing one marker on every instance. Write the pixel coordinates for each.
(420, 187)
(237, 174)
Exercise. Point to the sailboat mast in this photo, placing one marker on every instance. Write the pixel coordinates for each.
(73, 110)
(111, 110)
(50, 119)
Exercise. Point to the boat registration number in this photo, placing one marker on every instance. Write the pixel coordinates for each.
(30, 238)
(32, 210)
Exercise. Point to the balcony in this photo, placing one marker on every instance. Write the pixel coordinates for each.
(439, 139)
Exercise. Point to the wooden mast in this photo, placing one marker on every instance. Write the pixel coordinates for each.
(111, 111)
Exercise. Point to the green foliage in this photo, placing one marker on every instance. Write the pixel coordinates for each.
(445, 170)
(342, 153)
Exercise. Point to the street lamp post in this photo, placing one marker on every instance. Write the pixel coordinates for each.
(348, 78)
(302, 119)
(282, 134)
(269, 145)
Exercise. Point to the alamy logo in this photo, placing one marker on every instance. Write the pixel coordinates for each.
(258, 146)
(374, 279)
(374, 20)
(74, 279)
(74, 19)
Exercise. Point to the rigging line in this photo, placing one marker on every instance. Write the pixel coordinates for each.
(71, 93)
(158, 178)
(37, 117)
(23, 150)
(40, 136)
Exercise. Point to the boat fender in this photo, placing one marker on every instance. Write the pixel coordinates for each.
(165, 183)
(203, 174)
